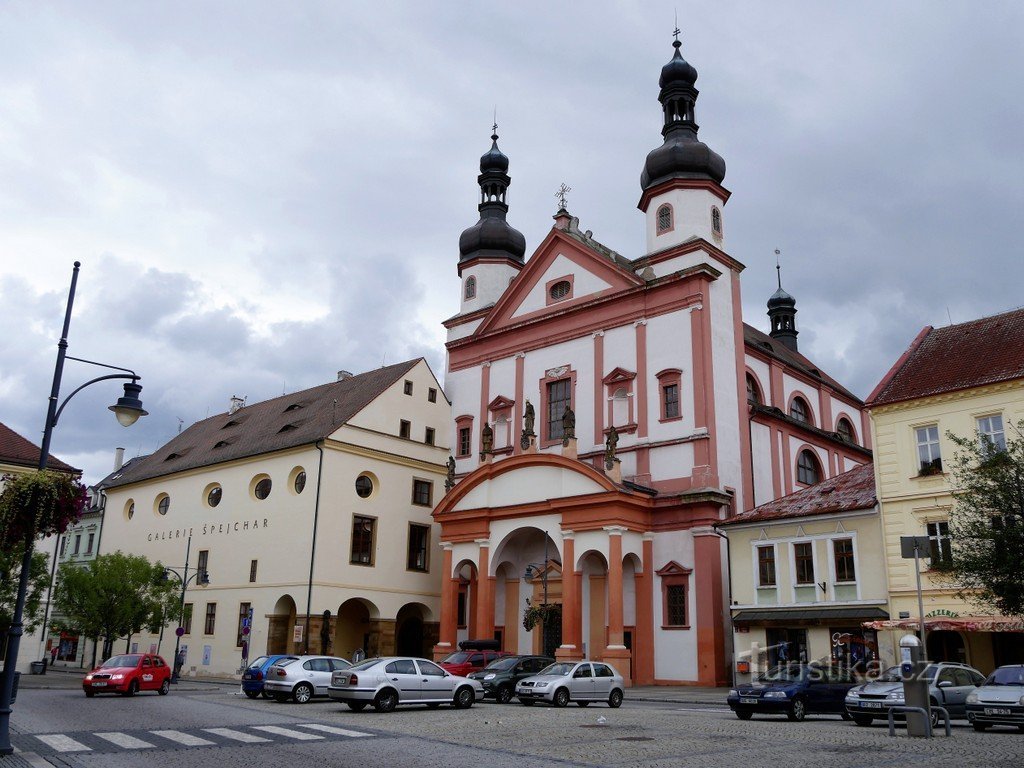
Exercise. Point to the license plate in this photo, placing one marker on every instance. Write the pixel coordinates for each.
(748, 701)
(871, 704)
(996, 711)
(99, 685)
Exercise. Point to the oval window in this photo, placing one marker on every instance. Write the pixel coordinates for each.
(129, 509)
(364, 486)
(262, 489)
(300, 482)
(560, 289)
(213, 497)
(163, 504)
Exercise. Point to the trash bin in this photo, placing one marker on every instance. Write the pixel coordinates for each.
(14, 687)
(37, 668)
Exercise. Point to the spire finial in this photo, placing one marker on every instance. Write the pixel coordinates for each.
(778, 269)
(563, 190)
(494, 128)
(676, 31)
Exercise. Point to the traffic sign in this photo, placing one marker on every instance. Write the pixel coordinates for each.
(179, 631)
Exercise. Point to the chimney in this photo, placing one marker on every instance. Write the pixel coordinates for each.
(237, 403)
(118, 458)
(342, 375)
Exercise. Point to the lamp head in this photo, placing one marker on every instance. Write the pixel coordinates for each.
(128, 409)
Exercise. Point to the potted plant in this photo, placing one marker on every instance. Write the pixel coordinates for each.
(39, 504)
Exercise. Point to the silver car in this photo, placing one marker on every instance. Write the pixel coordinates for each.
(1000, 700)
(399, 680)
(949, 684)
(579, 681)
(302, 678)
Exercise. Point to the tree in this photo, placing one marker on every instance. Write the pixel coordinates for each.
(39, 579)
(115, 595)
(986, 522)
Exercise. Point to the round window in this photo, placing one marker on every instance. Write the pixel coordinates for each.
(560, 289)
(262, 489)
(300, 482)
(163, 505)
(129, 510)
(364, 486)
(213, 497)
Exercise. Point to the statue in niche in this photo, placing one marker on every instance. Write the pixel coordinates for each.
(529, 418)
(449, 481)
(487, 438)
(609, 448)
(568, 425)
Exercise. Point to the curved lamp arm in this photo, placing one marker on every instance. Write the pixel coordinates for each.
(56, 415)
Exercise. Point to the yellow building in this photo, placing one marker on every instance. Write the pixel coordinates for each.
(804, 575)
(965, 379)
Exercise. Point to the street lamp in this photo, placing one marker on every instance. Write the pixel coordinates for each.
(128, 409)
(201, 577)
(529, 575)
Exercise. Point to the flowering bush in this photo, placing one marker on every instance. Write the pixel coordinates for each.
(39, 504)
(537, 613)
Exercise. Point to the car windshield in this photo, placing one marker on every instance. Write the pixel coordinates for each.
(459, 657)
(561, 668)
(364, 665)
(1006, 676)
(784, 673)
(891, 675)
(127, 660)
(501, 665)
(258, 662)
(930, 671)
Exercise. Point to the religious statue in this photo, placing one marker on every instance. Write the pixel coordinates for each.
(325, 634)
(568, 425)
(449, 481)
(609, 448)
(487, 437)
(529, 419)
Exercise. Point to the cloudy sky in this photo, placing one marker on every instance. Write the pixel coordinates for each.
(263, 193)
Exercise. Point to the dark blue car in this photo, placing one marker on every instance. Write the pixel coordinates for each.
(252, 678)
(794, 690)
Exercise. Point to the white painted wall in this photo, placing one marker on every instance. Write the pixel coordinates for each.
(491, 282)
(584, 283)
(692, 218)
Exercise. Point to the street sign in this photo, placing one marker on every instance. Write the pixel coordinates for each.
(179, 631)
(909, 543)
(245, 630)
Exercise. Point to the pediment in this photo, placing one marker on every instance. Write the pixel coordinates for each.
(672, 568)
(619, 375)
(500, 403)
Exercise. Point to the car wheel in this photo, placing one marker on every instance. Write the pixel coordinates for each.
(386, 700)
(561, 697)
(90, 694)
(303, 693)
(526, 702)
(934, 715)
(981, 726)
(504, 694)
(463, 698)
(744, 714)
(165, 687)
(797, 710)
(356, 706)
(133, 688)
(615, 699)
(253, 694)
(862, 720)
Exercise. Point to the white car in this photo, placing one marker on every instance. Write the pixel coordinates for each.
(580, 681)
(301, 678)
(400, 680)
(999, 700)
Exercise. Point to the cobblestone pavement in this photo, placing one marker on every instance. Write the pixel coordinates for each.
(200, 728)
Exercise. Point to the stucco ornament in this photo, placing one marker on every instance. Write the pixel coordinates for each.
(568, 425)
(449, 480)
(609, 448)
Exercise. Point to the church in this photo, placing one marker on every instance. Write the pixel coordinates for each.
(608, 411)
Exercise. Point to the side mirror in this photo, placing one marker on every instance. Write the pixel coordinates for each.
(945, 684)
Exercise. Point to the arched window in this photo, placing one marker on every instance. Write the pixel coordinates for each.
(664, 218)
(845, 430)
(798, 410)
(808, 470)
(470, 287)
(753, 391)
(716, 220)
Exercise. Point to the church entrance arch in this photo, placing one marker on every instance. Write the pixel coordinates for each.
(522, 573)
(411, 635)
(352, 628)
(281, 626)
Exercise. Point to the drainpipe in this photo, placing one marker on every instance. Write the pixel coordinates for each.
(312, 550)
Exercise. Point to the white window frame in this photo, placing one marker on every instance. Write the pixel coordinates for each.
(988, 435)
(852, 535)
(927, 442)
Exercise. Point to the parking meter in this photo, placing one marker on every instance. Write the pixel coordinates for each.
(915, 687)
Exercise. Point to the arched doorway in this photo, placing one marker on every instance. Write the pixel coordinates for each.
(594, 602)
(465, 606)
(946, 645)
(281, 625)
(352, 627)
(411, 636)
(527, 567)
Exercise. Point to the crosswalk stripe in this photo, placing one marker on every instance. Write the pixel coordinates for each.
(183, 738)
(60, 743)
(332, 729)
(228, 733)
(275, 729)
(124, 740)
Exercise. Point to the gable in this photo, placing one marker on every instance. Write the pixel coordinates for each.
(528, 485)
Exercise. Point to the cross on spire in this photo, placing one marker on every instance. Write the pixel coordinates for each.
(778, 269)
(494, 128)
(560, 195)
(676, 31)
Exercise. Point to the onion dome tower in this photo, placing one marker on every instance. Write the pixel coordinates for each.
(782, 313)
(491, 251)
(682, 179)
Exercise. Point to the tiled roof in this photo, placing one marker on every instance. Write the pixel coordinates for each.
(767, 345)
(273, 425)
(15, 449)
(957, 357)
(853, 490)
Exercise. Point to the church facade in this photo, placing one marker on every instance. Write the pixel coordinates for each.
(609, 411)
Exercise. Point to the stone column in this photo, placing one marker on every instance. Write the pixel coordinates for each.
(616, 653)
(447, 631)
(484, 594)
(569, 650)
(643, 640)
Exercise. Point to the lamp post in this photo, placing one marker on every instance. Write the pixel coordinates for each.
(128, 409)
(201, 577)
(531, 572)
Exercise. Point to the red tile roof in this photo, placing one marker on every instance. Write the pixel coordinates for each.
(851, 491)
(956, 357)
(15, 449)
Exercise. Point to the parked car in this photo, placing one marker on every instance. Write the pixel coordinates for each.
(999, 700)
(252, 678)
(128, 674)
(949, 683)
(499, 678)
(580, 681)
(461, 663)
(397, 681)
(796, 690)
(301, 677)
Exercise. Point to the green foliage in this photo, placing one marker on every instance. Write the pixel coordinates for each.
(537, 614)
(114, 595)
(38, 580)
(987, 522)
(38, 504)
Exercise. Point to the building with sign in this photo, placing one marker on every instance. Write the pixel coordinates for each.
(309, 513)
(609, 410)
(967, 379)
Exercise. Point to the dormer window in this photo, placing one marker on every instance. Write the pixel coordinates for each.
(470, 290)
(664, 219)
(293, 407)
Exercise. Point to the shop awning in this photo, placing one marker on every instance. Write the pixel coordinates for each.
(860, 613)
(955, 623)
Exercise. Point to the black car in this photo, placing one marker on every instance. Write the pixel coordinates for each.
(795, 690)
(499, 678)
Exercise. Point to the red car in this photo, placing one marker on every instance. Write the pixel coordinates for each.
(463, 662)
(128, 674)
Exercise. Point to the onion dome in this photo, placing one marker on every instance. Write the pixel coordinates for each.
(781, 299)
(492, 236)
(683, 155)
(782, 314)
